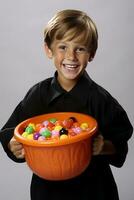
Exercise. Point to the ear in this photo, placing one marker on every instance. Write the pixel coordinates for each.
(90, 59)
(48, 51)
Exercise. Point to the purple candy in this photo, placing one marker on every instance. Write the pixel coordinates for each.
(36, 136)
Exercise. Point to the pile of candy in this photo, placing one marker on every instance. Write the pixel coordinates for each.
(54, 129)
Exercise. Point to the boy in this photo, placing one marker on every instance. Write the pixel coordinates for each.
(71, 41)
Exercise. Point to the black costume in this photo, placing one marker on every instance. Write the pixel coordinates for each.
(96, 182)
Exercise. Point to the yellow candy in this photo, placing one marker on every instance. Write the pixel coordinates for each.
(64, 136)
(58, 128)
(84, 126)
(30, 137)
(25, 134)
(32, 124)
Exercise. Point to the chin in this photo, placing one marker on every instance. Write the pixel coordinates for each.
(71, 78)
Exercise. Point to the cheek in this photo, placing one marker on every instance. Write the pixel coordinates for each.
(84, 59)
(58, 57)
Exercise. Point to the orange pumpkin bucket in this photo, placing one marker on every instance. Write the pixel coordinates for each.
(58, 159)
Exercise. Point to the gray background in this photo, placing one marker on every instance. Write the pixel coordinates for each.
(23, 63)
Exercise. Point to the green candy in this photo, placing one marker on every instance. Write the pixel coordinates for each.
(52, 120)
(29, 129)
(46, 133)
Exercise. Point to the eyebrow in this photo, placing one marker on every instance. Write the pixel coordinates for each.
(76, 43)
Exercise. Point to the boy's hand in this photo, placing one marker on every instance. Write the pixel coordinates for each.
(16, 148)
(98, 143)
(102, 147)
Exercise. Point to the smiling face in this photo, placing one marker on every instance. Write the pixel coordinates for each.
(70, 58)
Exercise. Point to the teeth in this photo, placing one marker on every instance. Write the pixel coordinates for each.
(70, 66)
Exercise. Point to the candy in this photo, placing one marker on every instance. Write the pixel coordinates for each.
(52, 120)
(58, 128)
(42, 130)
(46, 133)
(32, 125)
(77, 130)
(41, 138)
(84, 126)
(38, 127)
(54, 129)
(76, 124)
(67, 123)
(30, 137)
(50, 125)
(25, 134)
(58, 123)
(73, 118)
(55, 133)
(36, 136)
(45, 123)
(64, 136)
(63, 131)
(29, 129)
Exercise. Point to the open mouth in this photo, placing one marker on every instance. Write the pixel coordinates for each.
(71, 66)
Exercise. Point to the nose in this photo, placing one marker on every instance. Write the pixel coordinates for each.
(70, 54)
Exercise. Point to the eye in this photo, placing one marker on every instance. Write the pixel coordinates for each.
(62, 47)
(81, 49)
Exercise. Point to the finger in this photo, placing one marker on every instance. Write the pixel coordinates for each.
(16, 147)
(20, 156)
(98, 143)
(19, 153)
(96, 150)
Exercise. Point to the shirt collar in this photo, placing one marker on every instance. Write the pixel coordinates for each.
(80, 91)
(82, 88)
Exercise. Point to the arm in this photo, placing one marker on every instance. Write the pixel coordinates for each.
(113, 145)
(28, 107)
(6, 133)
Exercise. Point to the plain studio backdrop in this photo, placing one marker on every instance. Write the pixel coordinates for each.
(23, 63)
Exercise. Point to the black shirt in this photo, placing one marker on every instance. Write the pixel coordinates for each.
(97, 181)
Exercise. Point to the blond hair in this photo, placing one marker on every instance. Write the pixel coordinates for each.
(70, 24)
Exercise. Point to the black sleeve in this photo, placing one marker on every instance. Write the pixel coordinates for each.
(113, 123)
(7, 131)
(28, 107)
(118, 129)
